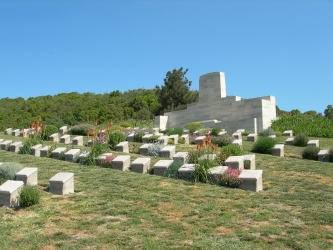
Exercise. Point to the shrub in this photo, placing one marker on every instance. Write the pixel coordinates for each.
(200, 173)
(26, 149)
(115, 138)
(49, 130)
(310, 153)
(216, 131)
(266, 132)
(330, 155)
(62, 156)
(278, 133)
(192, 126)
(222, 140)
(264, 145)
(153, 138)
(174, 131)
(246, 133)
(203, 131)
(134, 148)
(82, 129)
(96, 150)
(125, 124)
(230, 178)
(138, 136)
(301, 140)
(107, 162)
(172, 171)
(9, 169)
(192, 138)
(154, 149)
(28, 196)
(181, 140)
(229, 150)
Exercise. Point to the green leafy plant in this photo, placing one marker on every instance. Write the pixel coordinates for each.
(61, 156)
(230, 178)
(96, 150)
(301, 140)
(216, 131)
(26, 149)
(49, 130)
(138, 136)
(125, 124)
(82, 129)
(155, 148)
(226, 151)
(28, 196)
(200, 173)
(174, 131)
(223, 140)
(153, 138)
(172, 171)
(9, 169)
(310, 153)
(115, 138)
(203, 131)
(192, 126)
(266, 132)
(264, 145)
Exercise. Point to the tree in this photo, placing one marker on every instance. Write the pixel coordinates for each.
(175, 92)
(329, 112)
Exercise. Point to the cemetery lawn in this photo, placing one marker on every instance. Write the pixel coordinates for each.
(111, 209)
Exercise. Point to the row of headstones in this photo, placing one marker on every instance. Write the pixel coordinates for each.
(62, 183)
(142, 165)
(25, 132)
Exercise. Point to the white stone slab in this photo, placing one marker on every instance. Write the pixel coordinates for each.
(238, 142)
(167, 152)
(44, 151)
(35, 150)
(145, 138)
(323, 155)
(216, 173)
(54, 137)
(186, 138)
(8, 131)
(161, 167)
(131, 137)
(200, 139)
(314, 143)
(28, 176)
(78, 141)
(288, 133)
(181, 156)
(174, 138)
(141, 165)
(14, 147)
(122, 147)
(252, 159)
(163, 139)
(121, 162)
(235, 162)
(83, 156)
(5, 144)
(56, 153)
(237, 135)
(144, 149)
(16, 132)
(66, 139)
(62, 183)
(9, 193)
(63, 130)
(185, 172)
(252, 137)
(251, 180)
(278, 150)
(289, 141)
(72, 155)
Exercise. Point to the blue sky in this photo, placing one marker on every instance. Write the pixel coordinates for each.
(282, 48)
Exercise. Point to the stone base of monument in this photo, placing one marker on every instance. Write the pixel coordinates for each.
(62, 183)
(9, 193)
(251, 180)
(141, 165)
(28, 176)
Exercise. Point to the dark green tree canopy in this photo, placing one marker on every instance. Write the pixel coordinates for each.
(329, 112)
(175, 93)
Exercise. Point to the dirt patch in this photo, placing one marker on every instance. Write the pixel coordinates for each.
(172, 214)
(327, 227)
(223, 230)
(49, 247)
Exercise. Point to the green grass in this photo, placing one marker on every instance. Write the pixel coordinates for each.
(123, 210)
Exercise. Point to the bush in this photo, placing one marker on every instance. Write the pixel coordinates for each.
(266, 132)
(330, 155)
(28, 196)
(138, 136)
(222, 140)
(174, 131)
(246, 133)
(192, 126)
(216, 131)
(172, 171)
(310, 153)
(96, 150)
(229, 150)
(82, 129)
(301, 140)
(200, 173)
(9, 169)
(115, 138)
(26, 149)
(203, 131)
(125, 124)
(107, 162)
(153, 138)
(264, 145)
(181, 140)
(49, 130)
(230, 178)
(154, 149)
